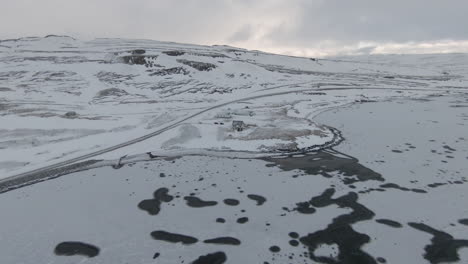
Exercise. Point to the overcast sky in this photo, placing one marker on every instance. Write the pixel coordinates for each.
(297, 27)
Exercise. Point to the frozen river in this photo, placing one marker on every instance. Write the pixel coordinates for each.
(395, 191)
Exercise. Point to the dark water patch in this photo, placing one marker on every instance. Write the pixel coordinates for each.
(340, 231)
(224, 241)
(153, 206)
(196, 202)
(293, 235)
(389, 223)
(463, 221)
(242, 220)
(443, 247)
(381, 260)
(449, 148)
(220, 220)
(213, 258)
(76, 248)
(304, 208)
(275, 249)
(173, 237)
(258, 198)
(231, 202)
(349, 181)
(294, 243)
(436, 184)
(398, 187)
(418, 190)
(325, 162)
(372, 190)
(393, 186)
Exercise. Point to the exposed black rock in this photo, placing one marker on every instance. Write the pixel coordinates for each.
(174, 53)
(134, 59)
(169, 71)
(71, 114)
(463, 221)
(138, 52)
(5, 89)
(201, 66)
(76, 248)
(111, 92)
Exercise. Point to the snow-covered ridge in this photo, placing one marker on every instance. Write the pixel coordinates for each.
(61, 97)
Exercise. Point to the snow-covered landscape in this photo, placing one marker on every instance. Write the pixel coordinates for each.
(63, 98)
(241, 156)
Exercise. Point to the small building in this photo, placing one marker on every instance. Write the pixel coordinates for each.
(238, 125)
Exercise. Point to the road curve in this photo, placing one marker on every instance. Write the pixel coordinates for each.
(142, 138)
(175, 124)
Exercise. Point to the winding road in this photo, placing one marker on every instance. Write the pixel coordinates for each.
(6, 181)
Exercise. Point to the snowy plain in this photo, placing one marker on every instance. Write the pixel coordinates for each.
(195, 190)
(62, 98)
(361, 202)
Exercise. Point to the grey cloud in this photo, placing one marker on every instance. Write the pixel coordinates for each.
(254, 24)
(370, 20)
(242, 34)
(365, 50)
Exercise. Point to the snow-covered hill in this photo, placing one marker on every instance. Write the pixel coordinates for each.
(61, 98)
